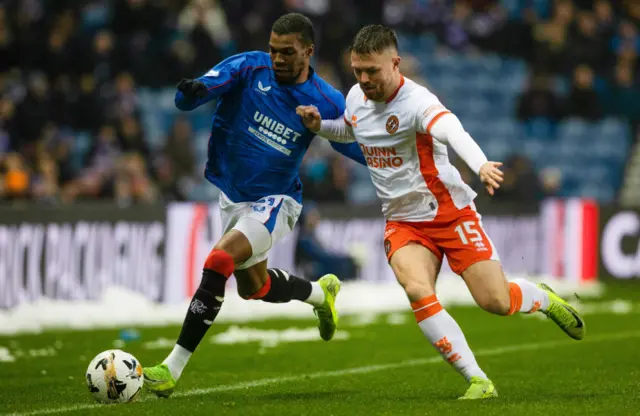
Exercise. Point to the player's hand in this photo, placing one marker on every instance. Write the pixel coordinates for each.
(310, 116)
(192, 88)
(491, 176)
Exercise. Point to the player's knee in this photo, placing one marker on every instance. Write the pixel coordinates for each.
(220, 261)
(496, 301)
(236, 245)
(417, 290)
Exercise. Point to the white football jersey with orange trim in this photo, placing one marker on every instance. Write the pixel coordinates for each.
(409, 168)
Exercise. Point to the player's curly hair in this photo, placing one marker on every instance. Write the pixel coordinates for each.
(295, 23)
(374, 39)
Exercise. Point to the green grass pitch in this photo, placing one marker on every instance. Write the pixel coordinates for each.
(381, 368)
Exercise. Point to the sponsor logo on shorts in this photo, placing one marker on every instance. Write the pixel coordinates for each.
(387, 246)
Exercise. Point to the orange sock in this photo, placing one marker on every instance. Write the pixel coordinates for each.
(516, 298)
(526, 297)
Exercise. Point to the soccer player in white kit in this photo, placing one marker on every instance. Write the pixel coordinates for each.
(403, 131)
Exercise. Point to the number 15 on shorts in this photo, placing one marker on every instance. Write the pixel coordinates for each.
(469, 234)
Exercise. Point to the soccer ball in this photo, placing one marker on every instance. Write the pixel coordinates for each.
(114, 376)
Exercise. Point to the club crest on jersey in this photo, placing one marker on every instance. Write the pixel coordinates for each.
(392, 124)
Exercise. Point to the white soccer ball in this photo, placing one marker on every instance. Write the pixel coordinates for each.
(114, 376)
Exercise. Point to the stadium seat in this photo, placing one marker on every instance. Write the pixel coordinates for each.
(507, 127)
(540, 127)
(427, 43)
(574, 127)
(534, 148)
(363, 191)
(614, 127)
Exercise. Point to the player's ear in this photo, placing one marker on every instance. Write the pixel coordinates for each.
(310, 50)
(396, 61)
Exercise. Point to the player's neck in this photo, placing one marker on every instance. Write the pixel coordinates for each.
(304, 76)
(393, 88)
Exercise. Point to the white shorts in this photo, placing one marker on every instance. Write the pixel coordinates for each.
(263, 222)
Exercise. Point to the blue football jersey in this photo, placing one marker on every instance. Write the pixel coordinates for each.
(257, 140)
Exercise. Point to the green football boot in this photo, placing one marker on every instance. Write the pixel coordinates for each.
(480, 388)
(159, 380)
(327, 313)
(564, 315)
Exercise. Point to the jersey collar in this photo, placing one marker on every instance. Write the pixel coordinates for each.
(309, 81)
(395, 93)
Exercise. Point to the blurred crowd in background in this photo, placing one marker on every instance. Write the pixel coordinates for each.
(73, 75)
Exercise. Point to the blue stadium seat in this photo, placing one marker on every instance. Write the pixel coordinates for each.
(145, 97)
(614, 127)
(491, 63)
(516, 7)
(561, 85)
(452, 61)
(448, 82)
(482, 81)
(540, 127)
(475, 127)
(507, 127)
(534, 148)
(612, 147)
(602, 192)
(498, 149)
(363, 191)
(165, 99)
(427, 43)
(573, 128)
(201, 142)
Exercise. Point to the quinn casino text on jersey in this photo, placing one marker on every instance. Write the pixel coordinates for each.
(381, 157)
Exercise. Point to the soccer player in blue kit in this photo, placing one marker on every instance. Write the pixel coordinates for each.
(256, 147)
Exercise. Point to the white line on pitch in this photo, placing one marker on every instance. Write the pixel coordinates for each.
(337, 373)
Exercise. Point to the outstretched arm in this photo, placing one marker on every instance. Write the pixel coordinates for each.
(192, 93)
(338, 131)
(446, 128)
